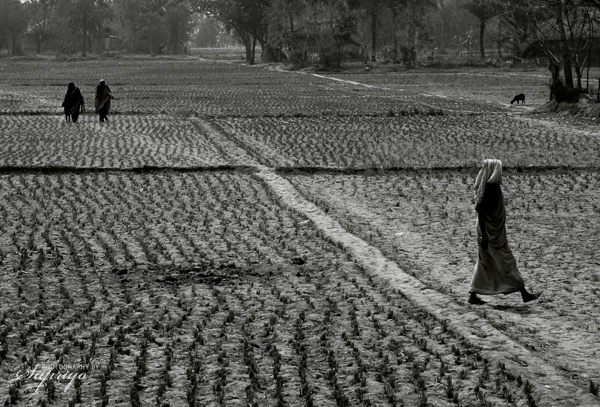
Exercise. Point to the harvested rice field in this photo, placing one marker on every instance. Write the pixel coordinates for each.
(251, 236)
(414, 141)
(423, 221)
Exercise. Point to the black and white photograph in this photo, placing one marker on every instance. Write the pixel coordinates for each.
(300, 203)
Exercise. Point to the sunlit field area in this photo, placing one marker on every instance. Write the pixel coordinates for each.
(251, 236)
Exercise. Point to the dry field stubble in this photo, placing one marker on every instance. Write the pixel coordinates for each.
(178, 285)
(175, 287)
(425, 222)
(476, 89)
(182, 88)
(414, 141)
(129, 142)
(105, 220)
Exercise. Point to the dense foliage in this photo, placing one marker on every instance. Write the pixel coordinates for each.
(68, 26)
(325, 32)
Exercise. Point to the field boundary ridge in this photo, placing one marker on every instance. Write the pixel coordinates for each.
(373, 171)
(139, 169)
(284, 171)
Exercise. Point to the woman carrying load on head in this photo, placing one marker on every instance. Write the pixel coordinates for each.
(102, 101)
(72, 103)
(496, 270)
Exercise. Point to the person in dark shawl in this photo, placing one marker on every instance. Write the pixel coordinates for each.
(102, 101)
(496, 271)
(73, 103)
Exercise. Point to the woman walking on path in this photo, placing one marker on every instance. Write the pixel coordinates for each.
(102, 101)
(496, 270)
(72, 103)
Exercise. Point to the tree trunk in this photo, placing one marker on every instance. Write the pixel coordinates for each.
(578, 74)
(555, 74)
(253, 53)
(589, 57)
(395, 28)
(246, 40)
(248, 47)
(338, 54)
(500, 42)
(412, 34)
(84, 54)
(481, 36)
(373, 33)
(566, 53)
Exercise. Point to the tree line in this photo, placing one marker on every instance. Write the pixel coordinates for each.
(562, 33)
(68, 26)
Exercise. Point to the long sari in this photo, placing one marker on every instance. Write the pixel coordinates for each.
(73, 102)
(496, 271)
(102, 100)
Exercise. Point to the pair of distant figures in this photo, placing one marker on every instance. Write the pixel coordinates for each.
(74, 103)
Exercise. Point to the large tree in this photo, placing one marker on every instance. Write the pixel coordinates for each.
(445, 16)
(154, 26)
(312, 30)
(247, 18)
(535, 23)
(151, 32)
(178, 17)
(556, 29)
(559, 9)
(578, 37)
(13, 24)
(206, 32)
(413, 27)
(484, 10)
(373, 11)
(42, 22)
(87, 18)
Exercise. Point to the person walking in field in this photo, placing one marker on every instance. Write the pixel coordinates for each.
(102, 101)
(496, 270)
(73, 103)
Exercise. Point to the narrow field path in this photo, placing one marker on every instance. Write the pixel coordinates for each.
(552, 388)
(450, 94)
(421, 103)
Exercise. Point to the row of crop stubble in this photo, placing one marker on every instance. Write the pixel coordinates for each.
(425, 221)
(192, 330)
(186, 88)
(477, 89)
(413, 141)
(122, 219)
(125, 142)
(300, 337)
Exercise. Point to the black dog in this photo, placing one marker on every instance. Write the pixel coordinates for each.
(519, 97)
(73, 103)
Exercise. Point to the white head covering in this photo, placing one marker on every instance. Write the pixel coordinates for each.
(490, 173)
